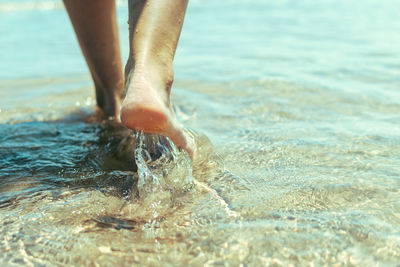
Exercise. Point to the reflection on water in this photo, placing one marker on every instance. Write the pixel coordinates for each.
(301, 101)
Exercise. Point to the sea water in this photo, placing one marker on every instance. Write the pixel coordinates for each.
(294, 106)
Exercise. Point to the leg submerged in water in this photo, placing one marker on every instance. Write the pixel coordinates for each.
(154, 30)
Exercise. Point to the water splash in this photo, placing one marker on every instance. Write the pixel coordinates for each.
(164, 172)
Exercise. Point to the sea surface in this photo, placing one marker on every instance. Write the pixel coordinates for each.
(295, 108)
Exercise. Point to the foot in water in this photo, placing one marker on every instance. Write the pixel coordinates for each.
(147, 107)
(154, 30)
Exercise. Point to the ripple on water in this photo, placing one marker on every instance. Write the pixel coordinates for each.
(80, 178)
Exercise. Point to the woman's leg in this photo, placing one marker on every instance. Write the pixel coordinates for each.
(154, 30)
(96, 27)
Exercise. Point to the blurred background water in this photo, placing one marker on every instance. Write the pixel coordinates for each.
(300, 99)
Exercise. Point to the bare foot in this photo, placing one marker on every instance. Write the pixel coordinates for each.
(147, 107)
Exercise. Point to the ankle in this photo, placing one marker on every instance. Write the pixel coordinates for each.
(109, 100)
(156, 71)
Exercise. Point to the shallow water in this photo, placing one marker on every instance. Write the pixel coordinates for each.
(300, 100)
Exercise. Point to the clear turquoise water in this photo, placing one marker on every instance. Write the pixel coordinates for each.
(300, 100)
